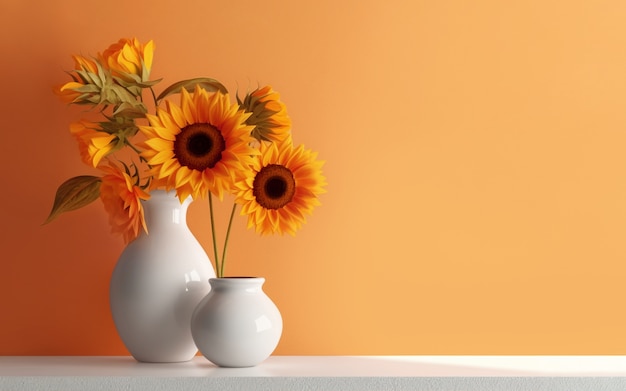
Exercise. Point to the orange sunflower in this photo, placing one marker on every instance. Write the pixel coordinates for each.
(268, 115)
(283, 188)
(78, 90)
(93, 143)
(199, 146)
(129, 59)
(122, 201)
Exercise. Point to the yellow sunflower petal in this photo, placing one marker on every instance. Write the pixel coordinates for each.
(161, 157)
(159, 144)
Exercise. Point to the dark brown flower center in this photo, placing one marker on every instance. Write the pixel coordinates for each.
(199, 146)
(274, 186)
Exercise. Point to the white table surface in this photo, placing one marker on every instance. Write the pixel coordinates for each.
(318, 373)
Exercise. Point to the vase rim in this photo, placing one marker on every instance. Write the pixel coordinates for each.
(167, 194)
(162, 191)
(237, 280)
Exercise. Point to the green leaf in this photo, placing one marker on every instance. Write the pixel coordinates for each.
(149, 83)
(74, 194)
(129, 110)
(205, 82)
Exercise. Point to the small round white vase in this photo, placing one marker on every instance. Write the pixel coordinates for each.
(157, 282)
(236, 324)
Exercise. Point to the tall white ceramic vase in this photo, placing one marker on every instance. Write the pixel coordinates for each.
(236, 324)
(159, 279)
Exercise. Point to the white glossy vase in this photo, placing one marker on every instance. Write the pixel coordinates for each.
(159, 279)
(236, 324)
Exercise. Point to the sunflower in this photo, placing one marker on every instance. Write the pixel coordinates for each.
(93, 143)
(129, 59)
(268, 115)
(199, 146)
(122, 201)
(78, 90)
(93, 84)
(283, 188)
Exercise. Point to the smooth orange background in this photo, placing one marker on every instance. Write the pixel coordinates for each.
(474, 153)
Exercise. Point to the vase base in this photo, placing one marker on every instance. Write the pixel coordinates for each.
(148, 361)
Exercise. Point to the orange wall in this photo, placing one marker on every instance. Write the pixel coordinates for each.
(477, 180)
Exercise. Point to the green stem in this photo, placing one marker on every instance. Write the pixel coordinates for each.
(230, 223)
(134, 148)
(154, 97)
(218, 269)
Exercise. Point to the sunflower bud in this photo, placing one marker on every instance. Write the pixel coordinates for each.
(268, 114)
(129, 60)
(83, 88)
(93, 143)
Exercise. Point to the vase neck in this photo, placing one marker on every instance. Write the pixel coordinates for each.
(243, 284)
(165, 208)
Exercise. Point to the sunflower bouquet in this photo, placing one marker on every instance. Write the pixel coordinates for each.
(200, 145)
